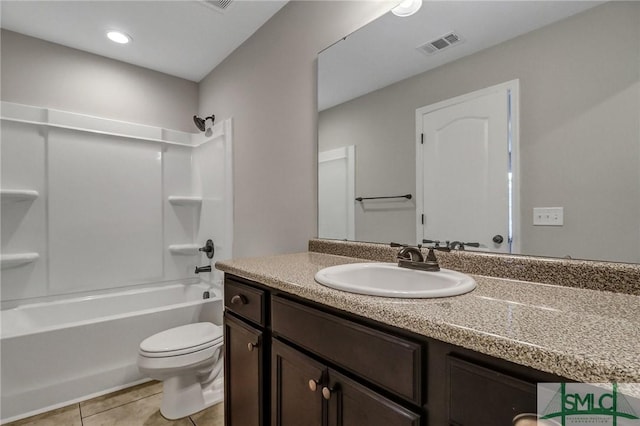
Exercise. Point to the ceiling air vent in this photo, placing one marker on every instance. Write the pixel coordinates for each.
(219, 5)
(440, 43)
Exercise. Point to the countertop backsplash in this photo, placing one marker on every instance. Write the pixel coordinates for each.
(593, 275)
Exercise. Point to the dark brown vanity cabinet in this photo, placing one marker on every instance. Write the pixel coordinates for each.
(291, 362)
(246, 352)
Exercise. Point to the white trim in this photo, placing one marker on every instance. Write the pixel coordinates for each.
(58, 119)
(419, 177)
(351, 192)
(348, 153)
(515, 164)
(509, 85)
(227, 131)
(514, 87)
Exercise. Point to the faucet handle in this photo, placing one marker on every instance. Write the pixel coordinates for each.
(439, 248)
(431, 260)
(208, 248)
(404, 245)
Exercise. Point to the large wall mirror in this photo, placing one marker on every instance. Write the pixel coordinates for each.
(568, 127)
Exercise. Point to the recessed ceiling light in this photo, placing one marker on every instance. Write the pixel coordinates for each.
(118, 37)
(407, 8)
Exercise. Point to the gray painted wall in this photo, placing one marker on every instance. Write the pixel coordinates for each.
(268, 86)
(36, 72)
(580, 127)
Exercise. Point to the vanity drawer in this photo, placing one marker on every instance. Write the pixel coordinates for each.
(246, 301)
(388, 361)
(479, 395)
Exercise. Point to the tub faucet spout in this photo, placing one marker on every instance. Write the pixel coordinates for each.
(203, 269)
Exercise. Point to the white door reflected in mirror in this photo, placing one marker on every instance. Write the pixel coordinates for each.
(464, 168)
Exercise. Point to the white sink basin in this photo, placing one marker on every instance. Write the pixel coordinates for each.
(389, 280)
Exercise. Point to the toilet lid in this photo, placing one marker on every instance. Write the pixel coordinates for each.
(184, 337)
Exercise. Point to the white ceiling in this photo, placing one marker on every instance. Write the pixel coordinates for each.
(186, 38)
(384, 51)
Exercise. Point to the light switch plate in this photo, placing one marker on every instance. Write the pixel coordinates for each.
(548, 216)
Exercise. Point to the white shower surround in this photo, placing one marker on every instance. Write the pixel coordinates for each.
(111, 255)
(104, 215)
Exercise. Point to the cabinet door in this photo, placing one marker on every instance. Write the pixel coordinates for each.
(351, 404)
(480, 396)
(243, 374)
(296, 391)
(359, 349)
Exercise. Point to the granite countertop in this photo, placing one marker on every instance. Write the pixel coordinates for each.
(583, 335)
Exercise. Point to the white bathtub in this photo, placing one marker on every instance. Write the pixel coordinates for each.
(57, 353)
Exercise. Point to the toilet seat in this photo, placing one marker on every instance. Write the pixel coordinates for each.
(189, 361)
(182, 340)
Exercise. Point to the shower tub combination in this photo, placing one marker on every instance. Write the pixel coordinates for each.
(61, 352)
(144, 199)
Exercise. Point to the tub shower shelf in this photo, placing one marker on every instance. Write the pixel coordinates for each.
(15, 195)
(185, 200)
(184, 249)
(19, 259)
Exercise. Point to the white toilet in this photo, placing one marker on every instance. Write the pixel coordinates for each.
(188, 360)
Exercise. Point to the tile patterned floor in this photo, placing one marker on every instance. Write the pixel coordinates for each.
(135, 406)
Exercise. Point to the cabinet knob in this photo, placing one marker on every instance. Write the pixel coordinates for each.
(313, 385)
(326, 393)
(238, 299)
(526, 419)
(251, 346)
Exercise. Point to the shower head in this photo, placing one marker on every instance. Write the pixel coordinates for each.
(201, 122)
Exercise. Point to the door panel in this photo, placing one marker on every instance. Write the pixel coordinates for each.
(480, 396)
(244, 392)
(336, 193)
(465, 169)
(351, 404)
(294, 402)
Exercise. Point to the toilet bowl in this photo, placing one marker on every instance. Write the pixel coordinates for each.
(188, 360)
